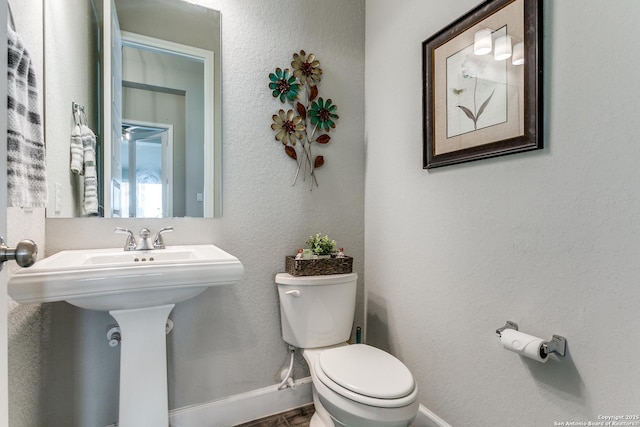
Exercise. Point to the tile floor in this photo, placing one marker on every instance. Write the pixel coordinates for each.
(299, 417)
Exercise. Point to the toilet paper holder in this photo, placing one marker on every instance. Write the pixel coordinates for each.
(557, 344)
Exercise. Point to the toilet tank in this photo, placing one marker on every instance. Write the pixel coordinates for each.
(316, 311)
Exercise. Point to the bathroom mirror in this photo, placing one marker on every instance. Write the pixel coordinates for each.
(144, 76)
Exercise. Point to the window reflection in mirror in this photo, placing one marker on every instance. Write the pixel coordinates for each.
(74, 70)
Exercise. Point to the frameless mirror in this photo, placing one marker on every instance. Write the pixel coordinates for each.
(144, 76)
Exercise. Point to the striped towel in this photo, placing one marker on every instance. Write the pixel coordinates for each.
(26, 162)
(77, 154)
(90, 176)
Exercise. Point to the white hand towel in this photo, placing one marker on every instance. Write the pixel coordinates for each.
(26, 162)
(90, 175)
(77, 151)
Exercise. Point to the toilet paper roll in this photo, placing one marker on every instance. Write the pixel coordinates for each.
(524, 344)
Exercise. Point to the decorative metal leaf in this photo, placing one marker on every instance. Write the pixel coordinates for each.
(323, 139)
(467, 112)
(484, 104)
(302, 112)
(313, 93)
(318, 162)
(291, 152)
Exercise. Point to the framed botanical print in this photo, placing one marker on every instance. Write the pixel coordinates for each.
(482, 84)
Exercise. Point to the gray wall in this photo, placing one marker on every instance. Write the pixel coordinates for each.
(226, 341)
(548, 239)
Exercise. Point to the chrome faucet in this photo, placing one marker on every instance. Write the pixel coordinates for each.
(144, 243)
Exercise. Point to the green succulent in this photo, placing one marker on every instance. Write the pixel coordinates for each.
(321, 245)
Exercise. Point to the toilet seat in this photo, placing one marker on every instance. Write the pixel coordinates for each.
(366, 375)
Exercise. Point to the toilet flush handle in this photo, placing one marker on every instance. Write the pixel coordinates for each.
(293, 293)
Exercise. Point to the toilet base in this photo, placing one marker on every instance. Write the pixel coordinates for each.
(316, 421)
(321, 417)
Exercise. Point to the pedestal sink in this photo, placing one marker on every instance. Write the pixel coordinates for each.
(139, 289)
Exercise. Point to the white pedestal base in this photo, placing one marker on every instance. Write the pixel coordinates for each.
(143, 366)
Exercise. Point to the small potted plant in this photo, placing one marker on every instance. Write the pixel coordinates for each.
(322, 246)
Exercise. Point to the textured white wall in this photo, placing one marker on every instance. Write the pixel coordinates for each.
(549, 239)
(228, 340)
(233, 341)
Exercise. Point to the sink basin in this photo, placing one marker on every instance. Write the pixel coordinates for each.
(113, 279)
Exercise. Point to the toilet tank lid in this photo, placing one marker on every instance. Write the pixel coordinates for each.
(326, 279)
(367, 371)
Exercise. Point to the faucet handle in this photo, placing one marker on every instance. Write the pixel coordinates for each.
(158, 242)
(130, 244)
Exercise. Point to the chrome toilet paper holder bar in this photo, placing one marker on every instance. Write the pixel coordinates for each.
(557, 344)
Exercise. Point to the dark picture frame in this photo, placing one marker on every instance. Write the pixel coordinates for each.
(476, 106)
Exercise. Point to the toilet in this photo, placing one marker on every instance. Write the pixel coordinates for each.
(353, 385)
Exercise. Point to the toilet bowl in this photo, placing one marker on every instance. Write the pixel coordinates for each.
(359, 385)
(353, 385)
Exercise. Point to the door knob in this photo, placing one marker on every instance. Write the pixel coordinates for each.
(25, 253)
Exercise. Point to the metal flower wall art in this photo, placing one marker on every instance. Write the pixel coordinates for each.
(307, 119)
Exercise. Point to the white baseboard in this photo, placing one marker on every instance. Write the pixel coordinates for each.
(243, 407)
(264, 402)
(426, 418)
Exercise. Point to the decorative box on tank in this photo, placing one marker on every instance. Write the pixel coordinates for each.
(320, 266)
